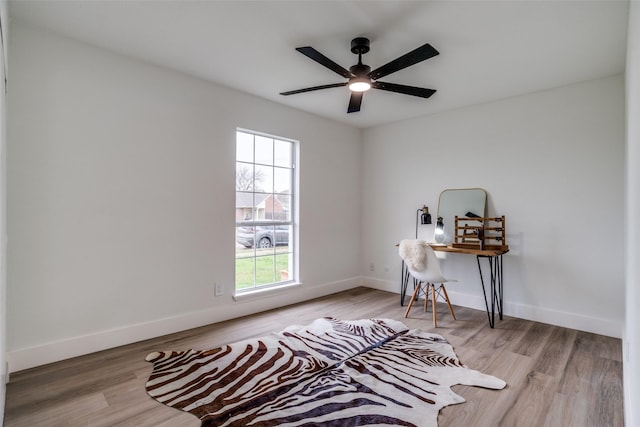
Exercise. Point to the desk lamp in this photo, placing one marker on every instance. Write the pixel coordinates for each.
(425, 217)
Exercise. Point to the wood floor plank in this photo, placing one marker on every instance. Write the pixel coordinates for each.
(62, 413)
(505, 335)
(574, 412)
(555, 353)
(483, 408)
(532, 404)
(533, 342)
(555, 376)
(608, 407)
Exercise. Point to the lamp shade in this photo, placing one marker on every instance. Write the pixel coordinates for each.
(425, 217)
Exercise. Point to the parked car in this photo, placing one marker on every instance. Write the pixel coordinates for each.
(266, 236)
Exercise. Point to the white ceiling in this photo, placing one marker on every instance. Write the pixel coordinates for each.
(489, 50)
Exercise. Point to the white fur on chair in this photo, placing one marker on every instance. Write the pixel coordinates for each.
(413, 254)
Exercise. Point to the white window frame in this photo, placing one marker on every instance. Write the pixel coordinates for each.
(291, 222)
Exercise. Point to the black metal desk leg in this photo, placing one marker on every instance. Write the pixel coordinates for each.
(495, 290)
(497, 277)
(484, 292)
(404, 282)
(403, 287)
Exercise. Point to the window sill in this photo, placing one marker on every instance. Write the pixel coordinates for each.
(266, 292)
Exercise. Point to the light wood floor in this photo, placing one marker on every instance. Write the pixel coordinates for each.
(555, 376)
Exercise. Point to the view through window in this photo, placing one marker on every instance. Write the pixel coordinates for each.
(264, 210)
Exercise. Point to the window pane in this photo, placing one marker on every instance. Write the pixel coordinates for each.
(265, 270)
(282, 153)
(244, 206)
(265, 239)
(265, 208)
(264, 179)
(264, 150)
(244, 176)
(282, 237)
(245, 268)
(283, 233)
(245, 236)
(244, 147)
(281, 206)
(282, 180)
(283, 272)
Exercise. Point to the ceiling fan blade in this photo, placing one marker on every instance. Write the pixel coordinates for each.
(425, 51)
(309, 89)
(310, 52)
(354, 102)
(406, 90)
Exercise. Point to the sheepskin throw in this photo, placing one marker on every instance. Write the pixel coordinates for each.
(413, 254)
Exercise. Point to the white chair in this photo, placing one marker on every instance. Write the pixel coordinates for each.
(430, 281)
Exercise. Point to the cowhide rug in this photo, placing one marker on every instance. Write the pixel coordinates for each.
(329, 373)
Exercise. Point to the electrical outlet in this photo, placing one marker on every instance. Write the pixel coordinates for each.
(219, 290)
(372, 266)
(387, 269)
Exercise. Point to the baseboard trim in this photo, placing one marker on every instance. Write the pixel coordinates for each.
(596, 325)
(27, 358)
(51, 352)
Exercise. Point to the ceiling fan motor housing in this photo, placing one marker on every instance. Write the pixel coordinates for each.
(360, 45)
(360, 70)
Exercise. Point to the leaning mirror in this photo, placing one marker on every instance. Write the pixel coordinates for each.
(457, 202)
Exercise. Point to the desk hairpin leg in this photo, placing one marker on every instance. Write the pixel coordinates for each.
(495, 270)
(404, 282)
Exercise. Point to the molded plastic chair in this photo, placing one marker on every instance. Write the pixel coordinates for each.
(430, 280)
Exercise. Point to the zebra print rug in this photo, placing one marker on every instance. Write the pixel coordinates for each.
(329, 373)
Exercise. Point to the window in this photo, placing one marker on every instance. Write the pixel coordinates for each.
(265, 198)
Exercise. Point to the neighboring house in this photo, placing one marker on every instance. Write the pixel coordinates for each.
(264, 206)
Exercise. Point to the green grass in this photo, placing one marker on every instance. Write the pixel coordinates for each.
(264, 270)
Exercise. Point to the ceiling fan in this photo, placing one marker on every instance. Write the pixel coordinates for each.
(360, 76)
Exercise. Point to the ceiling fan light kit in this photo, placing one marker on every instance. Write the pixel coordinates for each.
(360, 76)
(359, 84)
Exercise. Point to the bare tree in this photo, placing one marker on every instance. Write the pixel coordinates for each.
(246, 180)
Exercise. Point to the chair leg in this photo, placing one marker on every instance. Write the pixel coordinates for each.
(446, 296)
(413, 298)
(433, 304)
(426, 297)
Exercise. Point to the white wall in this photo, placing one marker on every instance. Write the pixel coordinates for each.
(632, 325)
(121, 199)
(552, 162)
